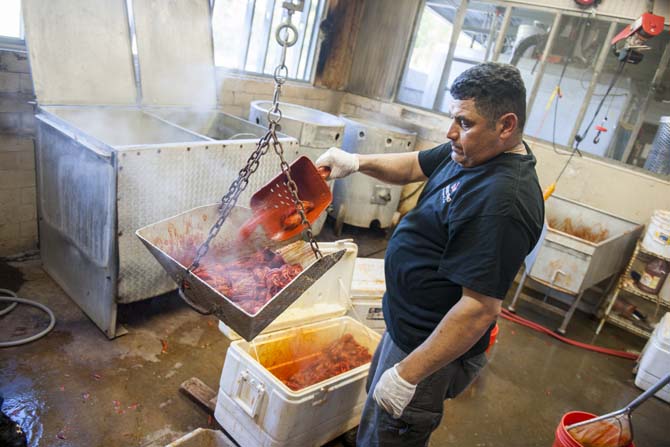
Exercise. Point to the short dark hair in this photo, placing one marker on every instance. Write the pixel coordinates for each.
(496, 88)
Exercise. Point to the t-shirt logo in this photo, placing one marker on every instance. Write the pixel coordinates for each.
(449, 190)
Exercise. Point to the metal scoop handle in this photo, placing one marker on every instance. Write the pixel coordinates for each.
(630, 407)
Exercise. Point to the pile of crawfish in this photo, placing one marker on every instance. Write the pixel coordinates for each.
(249, 281)
(595, 234)
(339, 357)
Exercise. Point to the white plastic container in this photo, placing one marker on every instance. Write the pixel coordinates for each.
(257, 409)
(367, 289)
(657, 237)
(319, 302)
(655, 359)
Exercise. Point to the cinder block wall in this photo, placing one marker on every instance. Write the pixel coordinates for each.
(18, 215)
(236, 92)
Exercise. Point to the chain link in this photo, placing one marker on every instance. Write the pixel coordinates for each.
(229, 200)
(274, 116)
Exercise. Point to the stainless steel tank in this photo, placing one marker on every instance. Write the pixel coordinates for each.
(111, 157)
(361, 200)
(316, 131)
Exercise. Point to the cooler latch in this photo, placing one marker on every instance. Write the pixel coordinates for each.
(320, 396)
(249, 393)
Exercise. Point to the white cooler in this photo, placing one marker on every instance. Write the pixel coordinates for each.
(367, 289)
(257, 409)
(655, 359)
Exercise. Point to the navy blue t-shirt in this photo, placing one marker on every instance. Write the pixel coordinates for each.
(472, 227)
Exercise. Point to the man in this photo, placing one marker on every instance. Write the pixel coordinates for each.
(451, 260)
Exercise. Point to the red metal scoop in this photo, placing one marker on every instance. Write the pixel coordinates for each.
(273, 206)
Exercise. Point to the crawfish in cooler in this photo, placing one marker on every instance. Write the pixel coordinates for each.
(339, 357)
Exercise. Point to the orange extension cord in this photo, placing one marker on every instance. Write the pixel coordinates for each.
(507, 315)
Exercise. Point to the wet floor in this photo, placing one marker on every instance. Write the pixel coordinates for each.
(76, 388)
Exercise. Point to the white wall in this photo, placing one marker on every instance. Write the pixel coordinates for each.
(629, 193)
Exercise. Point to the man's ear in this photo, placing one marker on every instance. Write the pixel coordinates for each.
(508, 125)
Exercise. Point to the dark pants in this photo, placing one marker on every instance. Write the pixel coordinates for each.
(423, 414)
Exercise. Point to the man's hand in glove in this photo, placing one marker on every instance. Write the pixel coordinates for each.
(393, 393)
(341, 163)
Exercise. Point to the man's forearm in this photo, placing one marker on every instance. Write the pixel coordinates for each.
(458, 331)
(398, 169)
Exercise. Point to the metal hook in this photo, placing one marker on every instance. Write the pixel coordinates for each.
(600, 130)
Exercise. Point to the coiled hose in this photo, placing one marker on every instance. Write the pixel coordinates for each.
(11, 298)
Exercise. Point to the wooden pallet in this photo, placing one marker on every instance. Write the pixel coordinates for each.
(199, 393)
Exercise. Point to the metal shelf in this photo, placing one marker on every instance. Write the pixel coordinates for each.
(647, 252)
(629, 286)
(627, 325)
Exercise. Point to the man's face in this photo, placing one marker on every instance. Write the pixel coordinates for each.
(474, 140)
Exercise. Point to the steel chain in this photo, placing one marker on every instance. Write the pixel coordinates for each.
(230, 198)
(293, 187)
(274, 116)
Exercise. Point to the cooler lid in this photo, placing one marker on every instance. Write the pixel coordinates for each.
(175, 50)
(80, 51)
(368, 280)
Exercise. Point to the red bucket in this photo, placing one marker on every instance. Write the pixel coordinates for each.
(492, 338)
(563, 438)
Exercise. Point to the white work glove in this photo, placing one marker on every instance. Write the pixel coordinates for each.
(341, 163)
(393, 393)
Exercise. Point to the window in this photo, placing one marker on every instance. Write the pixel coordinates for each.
(244, 36)
(453, 35)
(525, 40)
(475, 43)
(434, 62)
(427, 58)
(570, 64)
(11, 27)
(648, 101)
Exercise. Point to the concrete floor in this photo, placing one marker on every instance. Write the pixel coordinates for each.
(76, 388)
